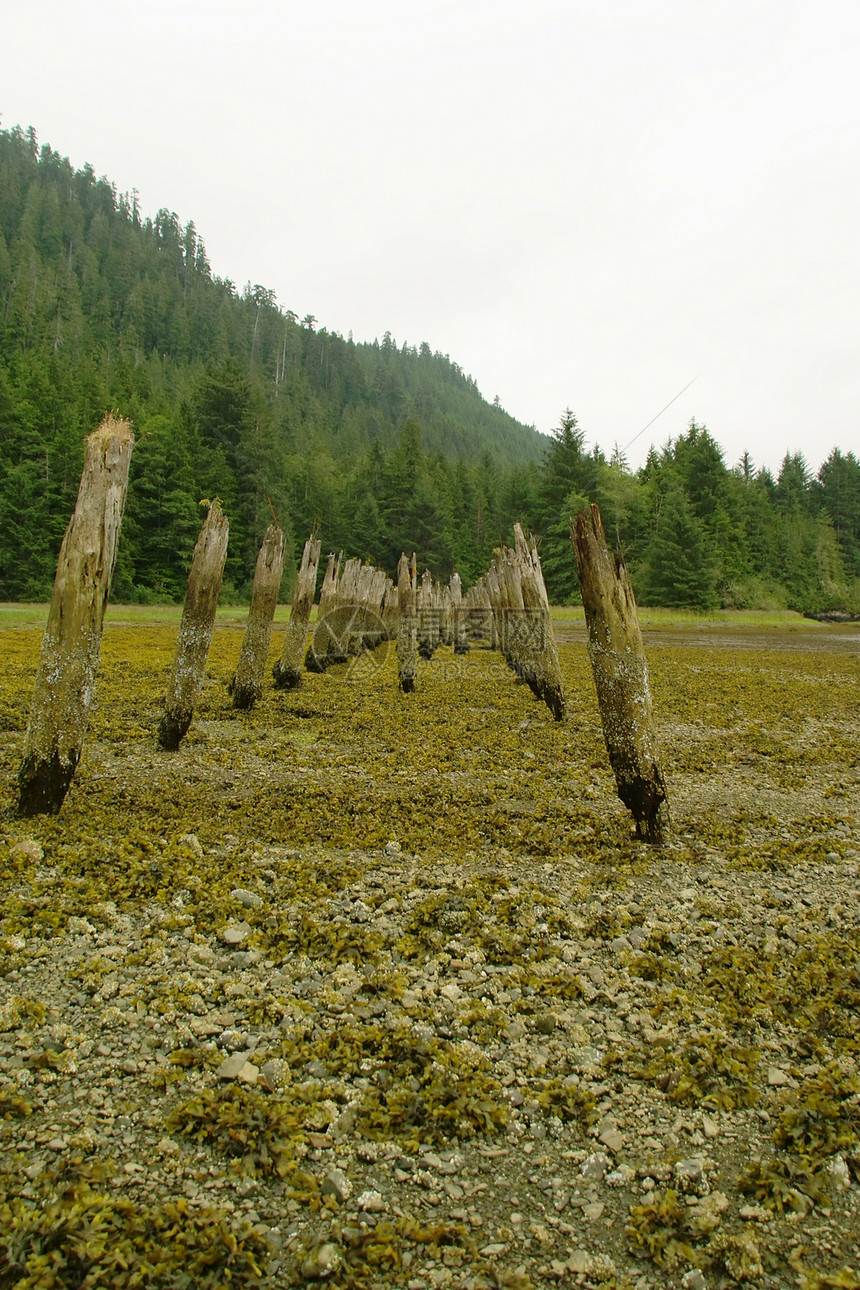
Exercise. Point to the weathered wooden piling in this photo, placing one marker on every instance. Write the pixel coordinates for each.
(374, 622)
(287, 672)
(407, 628)
(620, 675)
(195, 629)
(359, 625)
(318, 655)
(246, 686)
(459, 635)
(65, 680)
(538, 651)
(390, 612)
(341, 620)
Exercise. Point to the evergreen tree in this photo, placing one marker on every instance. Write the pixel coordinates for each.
(677, 569)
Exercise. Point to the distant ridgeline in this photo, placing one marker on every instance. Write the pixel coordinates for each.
(387, 448)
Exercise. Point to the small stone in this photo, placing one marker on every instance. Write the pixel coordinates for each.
(595, 1166)
(754, 1213)
(191, 842)
(321, 1263)
(546, 1024)
(586, 1056)
(79, 926)
(371, 1201)
(710, 1128)
(231, 1066)
(493, 1250)
(452, 992)
(609, 1134)
(275, 1073)
(236, 933)
(593, 1211)
(249, 1074)
(776, 1078)
(248, 899)
(322, 1141)
(392, 848)
(693, 1280)
(409, 999)
(28, 849)
(840, 1173)
(579, 1261)
(338, 1185)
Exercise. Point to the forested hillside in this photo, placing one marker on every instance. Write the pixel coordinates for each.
(388, 447)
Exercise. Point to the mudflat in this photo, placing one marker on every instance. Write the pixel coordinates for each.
(371, 989)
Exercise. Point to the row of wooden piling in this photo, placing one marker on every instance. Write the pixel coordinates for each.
(360, 607)
(519, 623)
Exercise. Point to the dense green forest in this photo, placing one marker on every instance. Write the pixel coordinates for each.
(387, 447)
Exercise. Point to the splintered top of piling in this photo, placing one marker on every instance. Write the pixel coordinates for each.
(112, 427)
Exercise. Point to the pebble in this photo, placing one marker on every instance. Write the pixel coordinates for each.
(609, 1134)
(248, 899)
(322, 1262)
(710, 1128)
(595, 1166)
(28, 849)
(231, 1066)
(235, 933)
(372, 1201)
(192, 843)
(579, 1261)
(338, 1185)
(275, 1073)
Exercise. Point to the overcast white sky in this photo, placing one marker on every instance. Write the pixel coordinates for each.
(587, 203)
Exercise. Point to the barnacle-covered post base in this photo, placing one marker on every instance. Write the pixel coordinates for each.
(620, 676)
(66, 678)
(195, 630)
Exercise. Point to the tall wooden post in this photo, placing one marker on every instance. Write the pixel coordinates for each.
(407, 628)
(539, 654)
(620, 676)
(458, 619)
(288, 670)
(374, 627)
(247, 685)
(318, 655)
(195, 630)
(356, 637)
(65, 681)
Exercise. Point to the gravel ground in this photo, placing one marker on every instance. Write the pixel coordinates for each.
(545, 1055)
